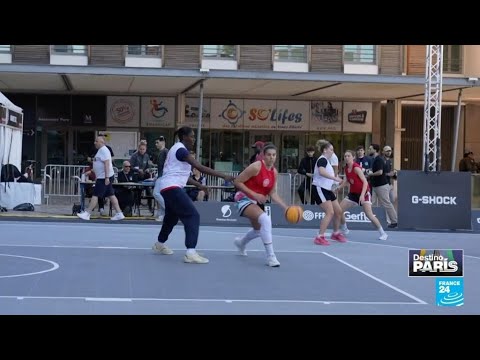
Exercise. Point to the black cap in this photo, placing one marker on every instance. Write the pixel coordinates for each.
(161, 138)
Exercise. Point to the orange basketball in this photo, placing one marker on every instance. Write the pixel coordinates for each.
(294, 214)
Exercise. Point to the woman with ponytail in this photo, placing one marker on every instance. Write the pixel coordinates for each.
(178, 205)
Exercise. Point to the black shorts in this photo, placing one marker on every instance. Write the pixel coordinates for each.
(101, 190)
(325, 195)
(356, 198)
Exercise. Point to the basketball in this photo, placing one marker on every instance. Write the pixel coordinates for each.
(294, 214)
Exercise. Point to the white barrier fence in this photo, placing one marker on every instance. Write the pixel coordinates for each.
(64, 181)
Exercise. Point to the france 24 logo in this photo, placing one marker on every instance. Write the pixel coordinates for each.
(427, 262)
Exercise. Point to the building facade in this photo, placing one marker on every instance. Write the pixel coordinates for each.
(291, 95)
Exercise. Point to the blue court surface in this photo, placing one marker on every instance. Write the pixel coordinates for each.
(95, 268)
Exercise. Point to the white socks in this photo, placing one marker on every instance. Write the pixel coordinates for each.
(266, 233)
(249, 236)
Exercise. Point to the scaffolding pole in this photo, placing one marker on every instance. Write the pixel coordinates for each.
(433, 109)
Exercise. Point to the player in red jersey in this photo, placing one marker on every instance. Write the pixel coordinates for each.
(359, 193)
(254, 184)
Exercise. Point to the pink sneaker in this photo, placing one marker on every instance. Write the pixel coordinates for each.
(339, 237)
(320, 240)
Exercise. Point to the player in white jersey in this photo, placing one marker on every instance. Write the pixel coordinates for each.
(178, 205)
(324, 178)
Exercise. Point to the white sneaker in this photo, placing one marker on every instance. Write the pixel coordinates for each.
(160, 248)
(344, 230)
(272, 261)
(102, 211)
(240, 247)
(383, 237)
(117, 216)
(84, 215)
(195, 259)
(159, 217)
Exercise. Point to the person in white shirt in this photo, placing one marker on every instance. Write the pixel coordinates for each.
(103, 169)
(178, 205)
(333, 159)
(324, 179)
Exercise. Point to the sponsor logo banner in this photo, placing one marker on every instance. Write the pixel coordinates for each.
(434, 200)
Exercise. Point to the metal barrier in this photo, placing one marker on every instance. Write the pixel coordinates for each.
(218, 194)
(475, 191)
(284, 182)
(63, 181)
(59, 180)
(284, 187)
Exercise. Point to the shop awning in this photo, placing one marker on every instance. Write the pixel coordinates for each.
(232, 83)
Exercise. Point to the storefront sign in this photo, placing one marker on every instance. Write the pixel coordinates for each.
(123, 111)
(158, 112)
(357, 117)
(325, 116)
(293, 115)
(89, 111)
(192, 107)
(260, 115)
(54, 109)
(227, 114)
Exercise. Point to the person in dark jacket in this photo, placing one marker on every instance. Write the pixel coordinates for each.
(307, 168)
(125, 195)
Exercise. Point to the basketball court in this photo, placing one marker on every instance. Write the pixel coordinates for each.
(96, 268)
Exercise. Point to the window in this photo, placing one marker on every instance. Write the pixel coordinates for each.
(222, 52)
(70, 49)
(144, 50)
(5, 49)
(290, 53)
(360, 54)
(452, 58)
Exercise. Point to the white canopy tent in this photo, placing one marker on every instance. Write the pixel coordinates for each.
(11, 132)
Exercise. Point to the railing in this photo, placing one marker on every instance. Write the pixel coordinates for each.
(144, 50)
(59, 180)
(63, 181)
(68, 49)
(360, 54)
(290, 53)
(223, 52)
(475, 191)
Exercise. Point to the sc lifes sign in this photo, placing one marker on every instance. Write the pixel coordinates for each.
(434, 200)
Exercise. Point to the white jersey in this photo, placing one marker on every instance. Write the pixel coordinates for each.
(175, 172)
(319, 180)
(102, 155)
(334, 160)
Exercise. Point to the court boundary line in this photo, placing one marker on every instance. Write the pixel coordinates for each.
(203, 249)
(383, 282)
(226, 300)
(51, 262)
(392, 287)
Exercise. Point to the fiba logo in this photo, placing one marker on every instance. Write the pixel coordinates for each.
(308, 215)
(226, 211)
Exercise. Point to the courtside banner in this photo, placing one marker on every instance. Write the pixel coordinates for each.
(225, 214)
(434, 200)
(476, 220)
